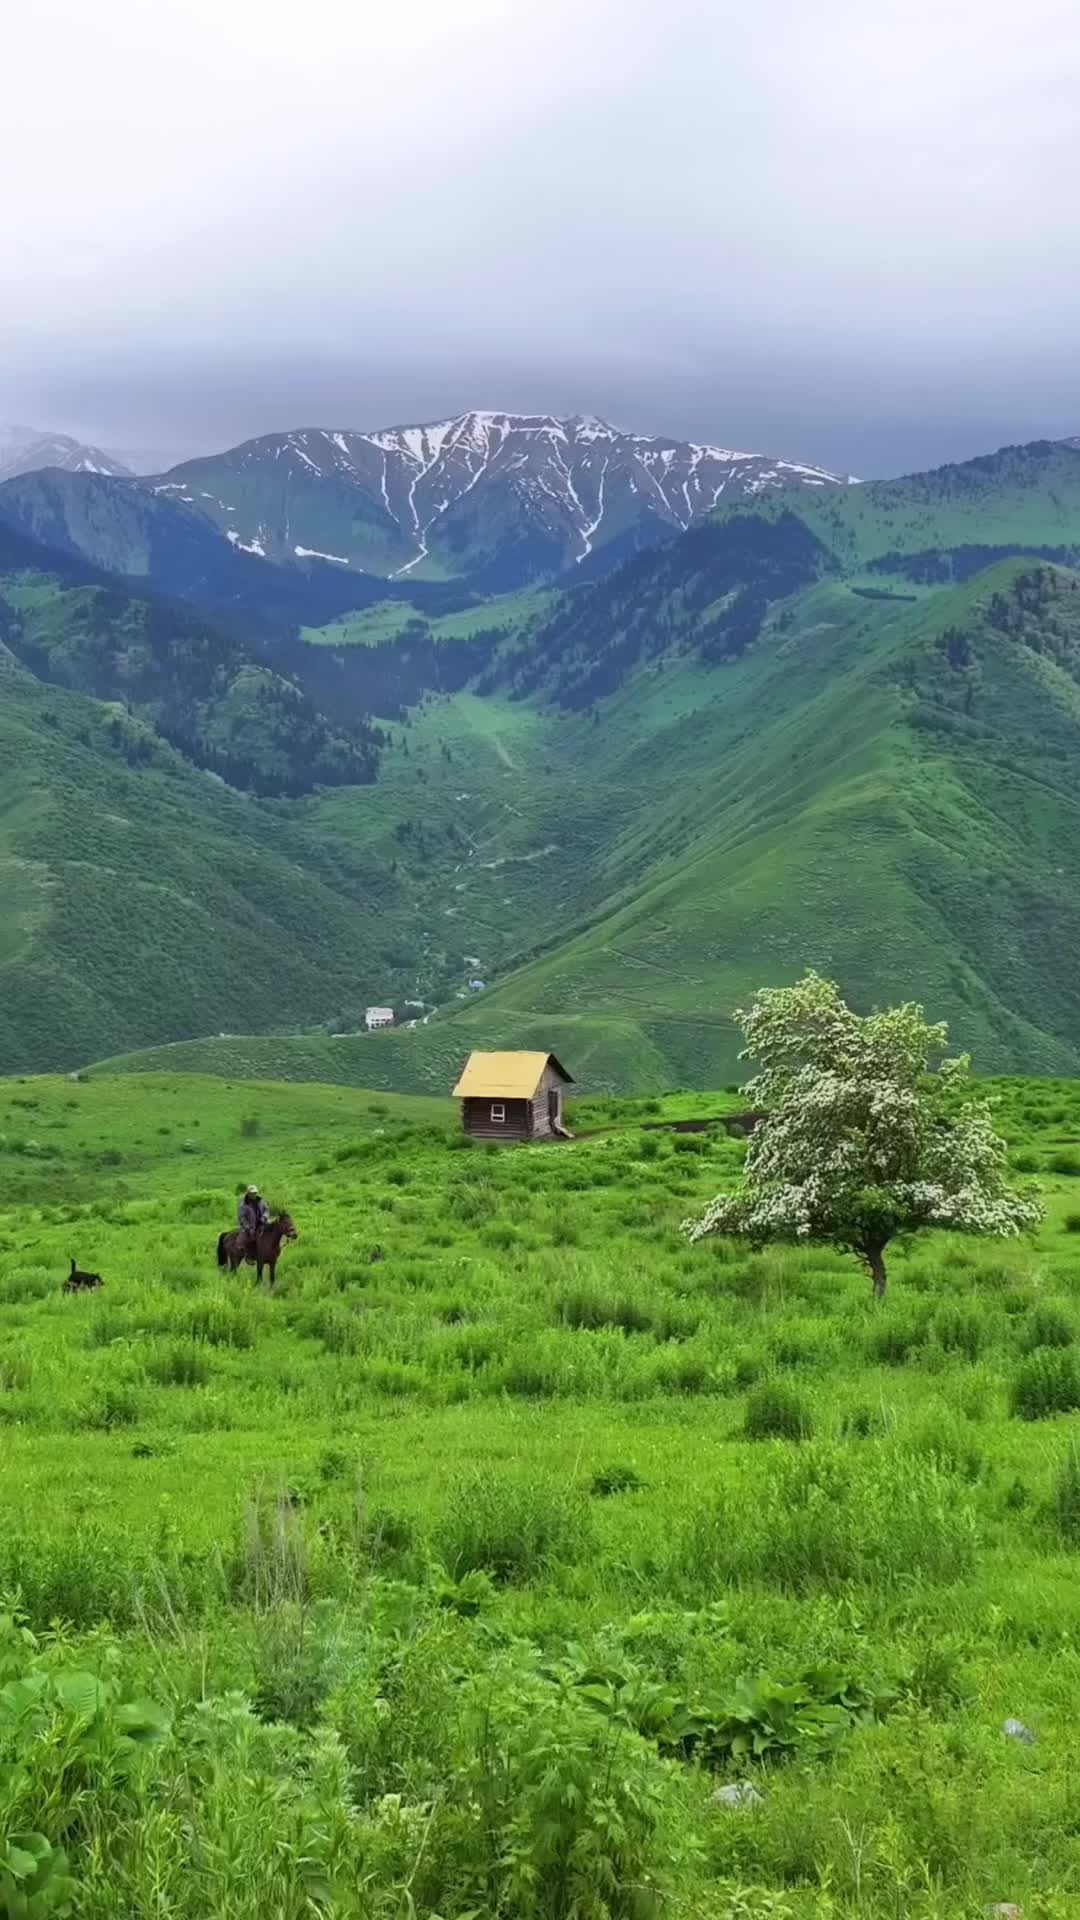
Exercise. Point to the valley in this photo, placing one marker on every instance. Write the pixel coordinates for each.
(830, 726)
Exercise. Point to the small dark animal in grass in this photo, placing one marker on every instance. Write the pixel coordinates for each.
(375, 1254)
(740, 1124)
(232, 1250)
(78, 1281)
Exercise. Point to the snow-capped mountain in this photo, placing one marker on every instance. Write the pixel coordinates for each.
(495, 498)
(28, 450)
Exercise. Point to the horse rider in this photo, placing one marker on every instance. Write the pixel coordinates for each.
(252, 1214)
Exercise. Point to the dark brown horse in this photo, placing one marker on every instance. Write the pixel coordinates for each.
(233, 1249)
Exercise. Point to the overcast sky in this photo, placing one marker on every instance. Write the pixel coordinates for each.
(840, 229)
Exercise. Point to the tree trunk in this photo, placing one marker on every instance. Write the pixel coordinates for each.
(873, 1257)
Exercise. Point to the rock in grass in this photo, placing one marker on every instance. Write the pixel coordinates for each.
(739, 1793)
(1005, 1910)
(1016, 1730)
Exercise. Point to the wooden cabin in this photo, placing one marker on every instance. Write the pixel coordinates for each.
(513, 1096)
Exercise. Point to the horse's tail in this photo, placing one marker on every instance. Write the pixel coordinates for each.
(221, 1254)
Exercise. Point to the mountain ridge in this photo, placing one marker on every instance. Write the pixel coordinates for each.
(31, 449)
(295, 528)
(557, 490)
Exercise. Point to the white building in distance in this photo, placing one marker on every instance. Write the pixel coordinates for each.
(378, 1017)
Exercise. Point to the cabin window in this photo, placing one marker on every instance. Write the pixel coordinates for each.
(498, 1111)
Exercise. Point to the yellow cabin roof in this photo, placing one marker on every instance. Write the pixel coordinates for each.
(504, 1076)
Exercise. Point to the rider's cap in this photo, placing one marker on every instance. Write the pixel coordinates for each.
(248, 1190)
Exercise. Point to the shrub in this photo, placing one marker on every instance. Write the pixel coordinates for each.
(511, 1529)
(861, 1422)
(1047, 1382)
(579, 1814)
(338, 1328)
(203, 1203)
(1066, 1500)
(891, 1344)
(774, 1411)
(959, 1330)
(1066, 1161)
(31, 1283)
(219, 1322)
(1072, 1223)
(1048, 1326)
(182, 1365)
(819, 1515)
(749, 1368)
(528, 1379)
(588, 1312)
(947, 1440)
(113, 1406)
(684, 1373)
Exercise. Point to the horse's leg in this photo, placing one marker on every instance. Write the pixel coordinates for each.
(273, 1270)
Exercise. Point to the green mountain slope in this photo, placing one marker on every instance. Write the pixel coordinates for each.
(216, 700)
(889, 794)
(786, 738)
(1020, 497)
(144, 898)
(903, 816)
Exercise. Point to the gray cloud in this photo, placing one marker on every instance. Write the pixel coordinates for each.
(832, 229)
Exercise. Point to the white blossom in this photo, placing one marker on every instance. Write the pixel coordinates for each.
(862, 1141)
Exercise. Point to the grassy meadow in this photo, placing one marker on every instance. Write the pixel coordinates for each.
(456, 1582)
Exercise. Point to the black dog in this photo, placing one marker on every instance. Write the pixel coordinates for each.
(77, 1280)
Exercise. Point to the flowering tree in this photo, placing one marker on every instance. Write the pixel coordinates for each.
(861, 1140)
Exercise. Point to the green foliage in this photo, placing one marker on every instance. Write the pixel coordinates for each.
(510, 1530)
(1047, 1382)
(1047, 1325)
(775, 1411)
(773, 1719)
(765, 1719)
(1066, 1498)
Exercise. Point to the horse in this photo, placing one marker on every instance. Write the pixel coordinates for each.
(232, 1250)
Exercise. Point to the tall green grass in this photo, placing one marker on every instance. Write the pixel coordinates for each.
(443, 1583)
